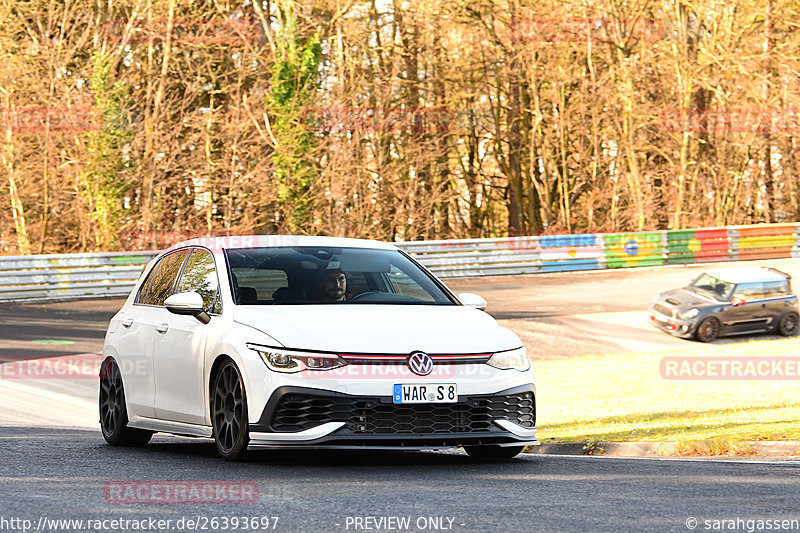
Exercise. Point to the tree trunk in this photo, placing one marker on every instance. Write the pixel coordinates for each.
(17, 210)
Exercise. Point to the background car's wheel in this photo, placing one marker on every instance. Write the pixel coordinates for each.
(493, 452)
(789, 324)
(229, 412)
(113, 413)
(708, 330)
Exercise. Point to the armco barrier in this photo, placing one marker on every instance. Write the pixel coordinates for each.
(634, 249)
(52, 277)
(571, 252)
(114, 274)
(773, 241)
(687, 246)
(796, 247)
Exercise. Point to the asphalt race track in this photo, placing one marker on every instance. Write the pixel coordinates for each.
(320, 491)
(56, 466)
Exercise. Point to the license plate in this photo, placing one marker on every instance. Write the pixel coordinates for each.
(425, 393)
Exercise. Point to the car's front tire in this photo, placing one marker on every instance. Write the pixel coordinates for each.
(493, 452)
(708, 330)
(229, 412)
(113, 413)
(789, 324)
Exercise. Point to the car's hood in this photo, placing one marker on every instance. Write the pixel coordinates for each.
(685, 299)
(380, 328)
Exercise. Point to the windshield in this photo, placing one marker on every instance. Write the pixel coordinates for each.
(322, 275)
(711, 286)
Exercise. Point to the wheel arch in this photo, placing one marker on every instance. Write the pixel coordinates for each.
(215, 365)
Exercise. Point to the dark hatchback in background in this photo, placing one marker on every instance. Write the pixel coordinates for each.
(731, 301)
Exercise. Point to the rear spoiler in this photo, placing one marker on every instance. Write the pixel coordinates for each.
(781, 272)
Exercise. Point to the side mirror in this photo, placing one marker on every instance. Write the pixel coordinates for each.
(187, 303)
(737, 301)
(472, 300)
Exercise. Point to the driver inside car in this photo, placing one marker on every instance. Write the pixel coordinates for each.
(333, 287)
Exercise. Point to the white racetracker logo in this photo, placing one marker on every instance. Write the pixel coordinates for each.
(420, 363)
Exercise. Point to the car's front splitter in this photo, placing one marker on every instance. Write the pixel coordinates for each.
(345, 440)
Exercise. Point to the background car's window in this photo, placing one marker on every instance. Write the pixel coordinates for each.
(777, 289)
(714, 287)
(750, 291)
(164, 277)
(200, 276)
(293, 275)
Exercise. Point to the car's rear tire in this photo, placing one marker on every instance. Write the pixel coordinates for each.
(789, 324)
(708, 330)
(493, 452)
(113, 413)
(229, 413)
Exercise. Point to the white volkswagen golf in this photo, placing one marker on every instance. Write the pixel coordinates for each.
(313, 342)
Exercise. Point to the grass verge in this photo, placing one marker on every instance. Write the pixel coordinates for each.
(625, 398)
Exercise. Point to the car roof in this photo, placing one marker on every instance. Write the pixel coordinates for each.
(231, 242)
(748, 274)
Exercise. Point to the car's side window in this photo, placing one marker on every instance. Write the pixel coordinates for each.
(777, 289)
(140, 298)
(200, 276)
(750, 291)
(164, 277)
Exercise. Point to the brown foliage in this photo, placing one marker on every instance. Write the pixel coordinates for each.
(430, 120)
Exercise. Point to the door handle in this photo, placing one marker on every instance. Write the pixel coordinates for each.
(128, 322)
(162, 328)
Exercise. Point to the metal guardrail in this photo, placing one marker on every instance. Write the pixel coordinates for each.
(62, 276)
(37, 277)
(559, 253)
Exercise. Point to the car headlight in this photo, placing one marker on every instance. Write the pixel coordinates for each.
(512, 359)
(691, 313)
(281, 360)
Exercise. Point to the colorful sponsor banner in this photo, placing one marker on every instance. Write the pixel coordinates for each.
(570, 252)
(634, 249)
(768, 241)
(523, 244)
(691, 246)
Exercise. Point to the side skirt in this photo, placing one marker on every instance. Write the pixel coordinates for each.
(166, 426)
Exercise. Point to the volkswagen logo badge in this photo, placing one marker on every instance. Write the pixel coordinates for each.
(420, 363)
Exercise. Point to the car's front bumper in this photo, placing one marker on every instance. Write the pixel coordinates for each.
(314, 418)
(678, 327)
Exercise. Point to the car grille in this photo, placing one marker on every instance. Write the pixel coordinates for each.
(369, 416)
(663, 309)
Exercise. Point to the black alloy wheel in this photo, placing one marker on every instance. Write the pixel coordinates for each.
(113, 413)
(229, 413)
(708, 330)
(789, 324)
